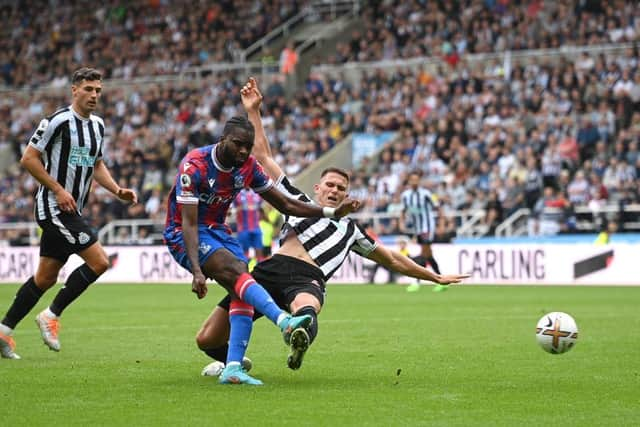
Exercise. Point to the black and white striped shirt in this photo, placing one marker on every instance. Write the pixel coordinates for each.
(327, 240)
(70, 146)
(420, 210)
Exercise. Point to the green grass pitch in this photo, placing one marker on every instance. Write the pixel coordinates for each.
(383, 357)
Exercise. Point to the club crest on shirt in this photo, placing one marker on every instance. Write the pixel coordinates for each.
(83, 238)
(238, 181)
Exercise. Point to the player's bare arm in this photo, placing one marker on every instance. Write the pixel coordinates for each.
(191, 240)
(295, 207)
(397, 262)
(251, 100)
(32, 161)
(104, 178)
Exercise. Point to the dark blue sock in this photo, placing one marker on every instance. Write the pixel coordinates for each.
(252, 293)
(241, 323)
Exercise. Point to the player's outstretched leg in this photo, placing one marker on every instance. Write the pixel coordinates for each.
(299, 344)
(234, 374)
(290, 323)
(7, 347)
(49, 324)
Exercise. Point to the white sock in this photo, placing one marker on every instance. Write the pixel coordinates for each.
(282, 316)
(47, 312)
(4, 329)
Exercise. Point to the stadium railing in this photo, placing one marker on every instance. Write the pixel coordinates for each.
(31, 228)
(469, 223)
(353, 70)
(472, 225)
(512, 226)
(584, 218)
(333, 9)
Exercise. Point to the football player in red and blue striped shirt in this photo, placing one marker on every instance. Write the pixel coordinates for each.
(248, 206)
(208, 180)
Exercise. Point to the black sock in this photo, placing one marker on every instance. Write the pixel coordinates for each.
(312, 329)
(76, 284)
(434, 264)
(26, 298)
(218, 353)
(420, 260)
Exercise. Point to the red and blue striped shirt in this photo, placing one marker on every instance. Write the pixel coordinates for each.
(203, 181)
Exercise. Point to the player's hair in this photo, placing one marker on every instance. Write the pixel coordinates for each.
(335, 170)
(85, 73)
(238, 122)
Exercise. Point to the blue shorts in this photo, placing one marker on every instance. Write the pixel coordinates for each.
(211, 239)
(250, 239)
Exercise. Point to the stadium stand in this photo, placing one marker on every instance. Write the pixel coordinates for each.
(452, 29)
(489, 139)
(127, 39)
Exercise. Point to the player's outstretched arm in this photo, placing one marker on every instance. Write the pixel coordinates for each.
(294, 207)
(405, 265)
(104, 178)
(251, 100)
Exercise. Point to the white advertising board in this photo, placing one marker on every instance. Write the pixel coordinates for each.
(580, 264)
(128, 264)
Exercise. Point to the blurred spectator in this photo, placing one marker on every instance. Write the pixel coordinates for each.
(494, 214)
(445, 230)
(551, 212)
(288, 59)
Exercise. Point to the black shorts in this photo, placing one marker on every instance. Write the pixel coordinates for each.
(284, 277)
(425, 238)
(65, 234)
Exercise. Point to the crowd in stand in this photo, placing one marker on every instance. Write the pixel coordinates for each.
(41, 42)
(450, 29)
(149, 128)
(545, 135)
(158, 37)
(561, 135)
(481, 140)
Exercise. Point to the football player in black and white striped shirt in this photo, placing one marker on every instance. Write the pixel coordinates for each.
(64, 155)
(419, 220)
(311, 250)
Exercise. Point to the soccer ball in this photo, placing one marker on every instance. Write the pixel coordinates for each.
(213, 369)
(556, 332)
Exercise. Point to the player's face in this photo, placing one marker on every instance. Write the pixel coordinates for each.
(331, 190)
(236, 148)
(85, 96)
(414, 181)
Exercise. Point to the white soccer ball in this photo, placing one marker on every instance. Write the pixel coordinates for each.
(556, 332)
(213, 369)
